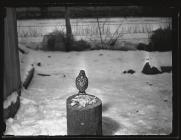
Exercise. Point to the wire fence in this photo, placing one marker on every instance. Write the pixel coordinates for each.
(129, 28)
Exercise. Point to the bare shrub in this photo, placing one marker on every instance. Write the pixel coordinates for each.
(56, 41)
(80, 45)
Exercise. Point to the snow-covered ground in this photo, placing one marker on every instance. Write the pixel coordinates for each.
(133, 104)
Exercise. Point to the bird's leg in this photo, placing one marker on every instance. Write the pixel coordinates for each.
(81, 93)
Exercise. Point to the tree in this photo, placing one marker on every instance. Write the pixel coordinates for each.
(69, 37)
(44, 12)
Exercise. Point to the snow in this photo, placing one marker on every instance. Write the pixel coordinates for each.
(133, 104)
(10, 99)
(27, 71)
(83, 100)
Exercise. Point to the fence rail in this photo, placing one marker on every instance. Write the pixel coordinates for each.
(73, 24)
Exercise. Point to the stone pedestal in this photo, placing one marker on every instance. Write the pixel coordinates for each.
(84, 120)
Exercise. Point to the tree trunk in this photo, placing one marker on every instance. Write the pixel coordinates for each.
(44, 12)
(69, 37)
(84, 121)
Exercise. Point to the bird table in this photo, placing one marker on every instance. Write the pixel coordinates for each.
(84, 115)
(84, 111)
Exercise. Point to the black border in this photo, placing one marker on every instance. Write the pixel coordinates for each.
(20, 3)
(2, 15)
(174, 12)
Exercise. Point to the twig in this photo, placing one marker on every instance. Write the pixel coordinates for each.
(99, 30)
(114, 41)
(114, 33)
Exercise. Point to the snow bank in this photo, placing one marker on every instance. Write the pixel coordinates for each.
(25, 101)
(11, 99)
(28, 69)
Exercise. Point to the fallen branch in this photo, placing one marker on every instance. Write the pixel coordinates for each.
(22, 51)
(41, 74)
(28, 78)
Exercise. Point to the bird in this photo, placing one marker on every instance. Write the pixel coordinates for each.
(81, 82)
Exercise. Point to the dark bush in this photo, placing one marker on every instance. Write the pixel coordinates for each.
(80, 45)
(160, 40)
(56, 41)
(166, 68)
(130, 71)
(142, 46)
(121, 46)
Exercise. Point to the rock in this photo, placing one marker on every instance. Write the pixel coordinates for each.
(130, 71)
(124, 72)
(147, 69)
(39, 64)
(149, 83)
(165, 100)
